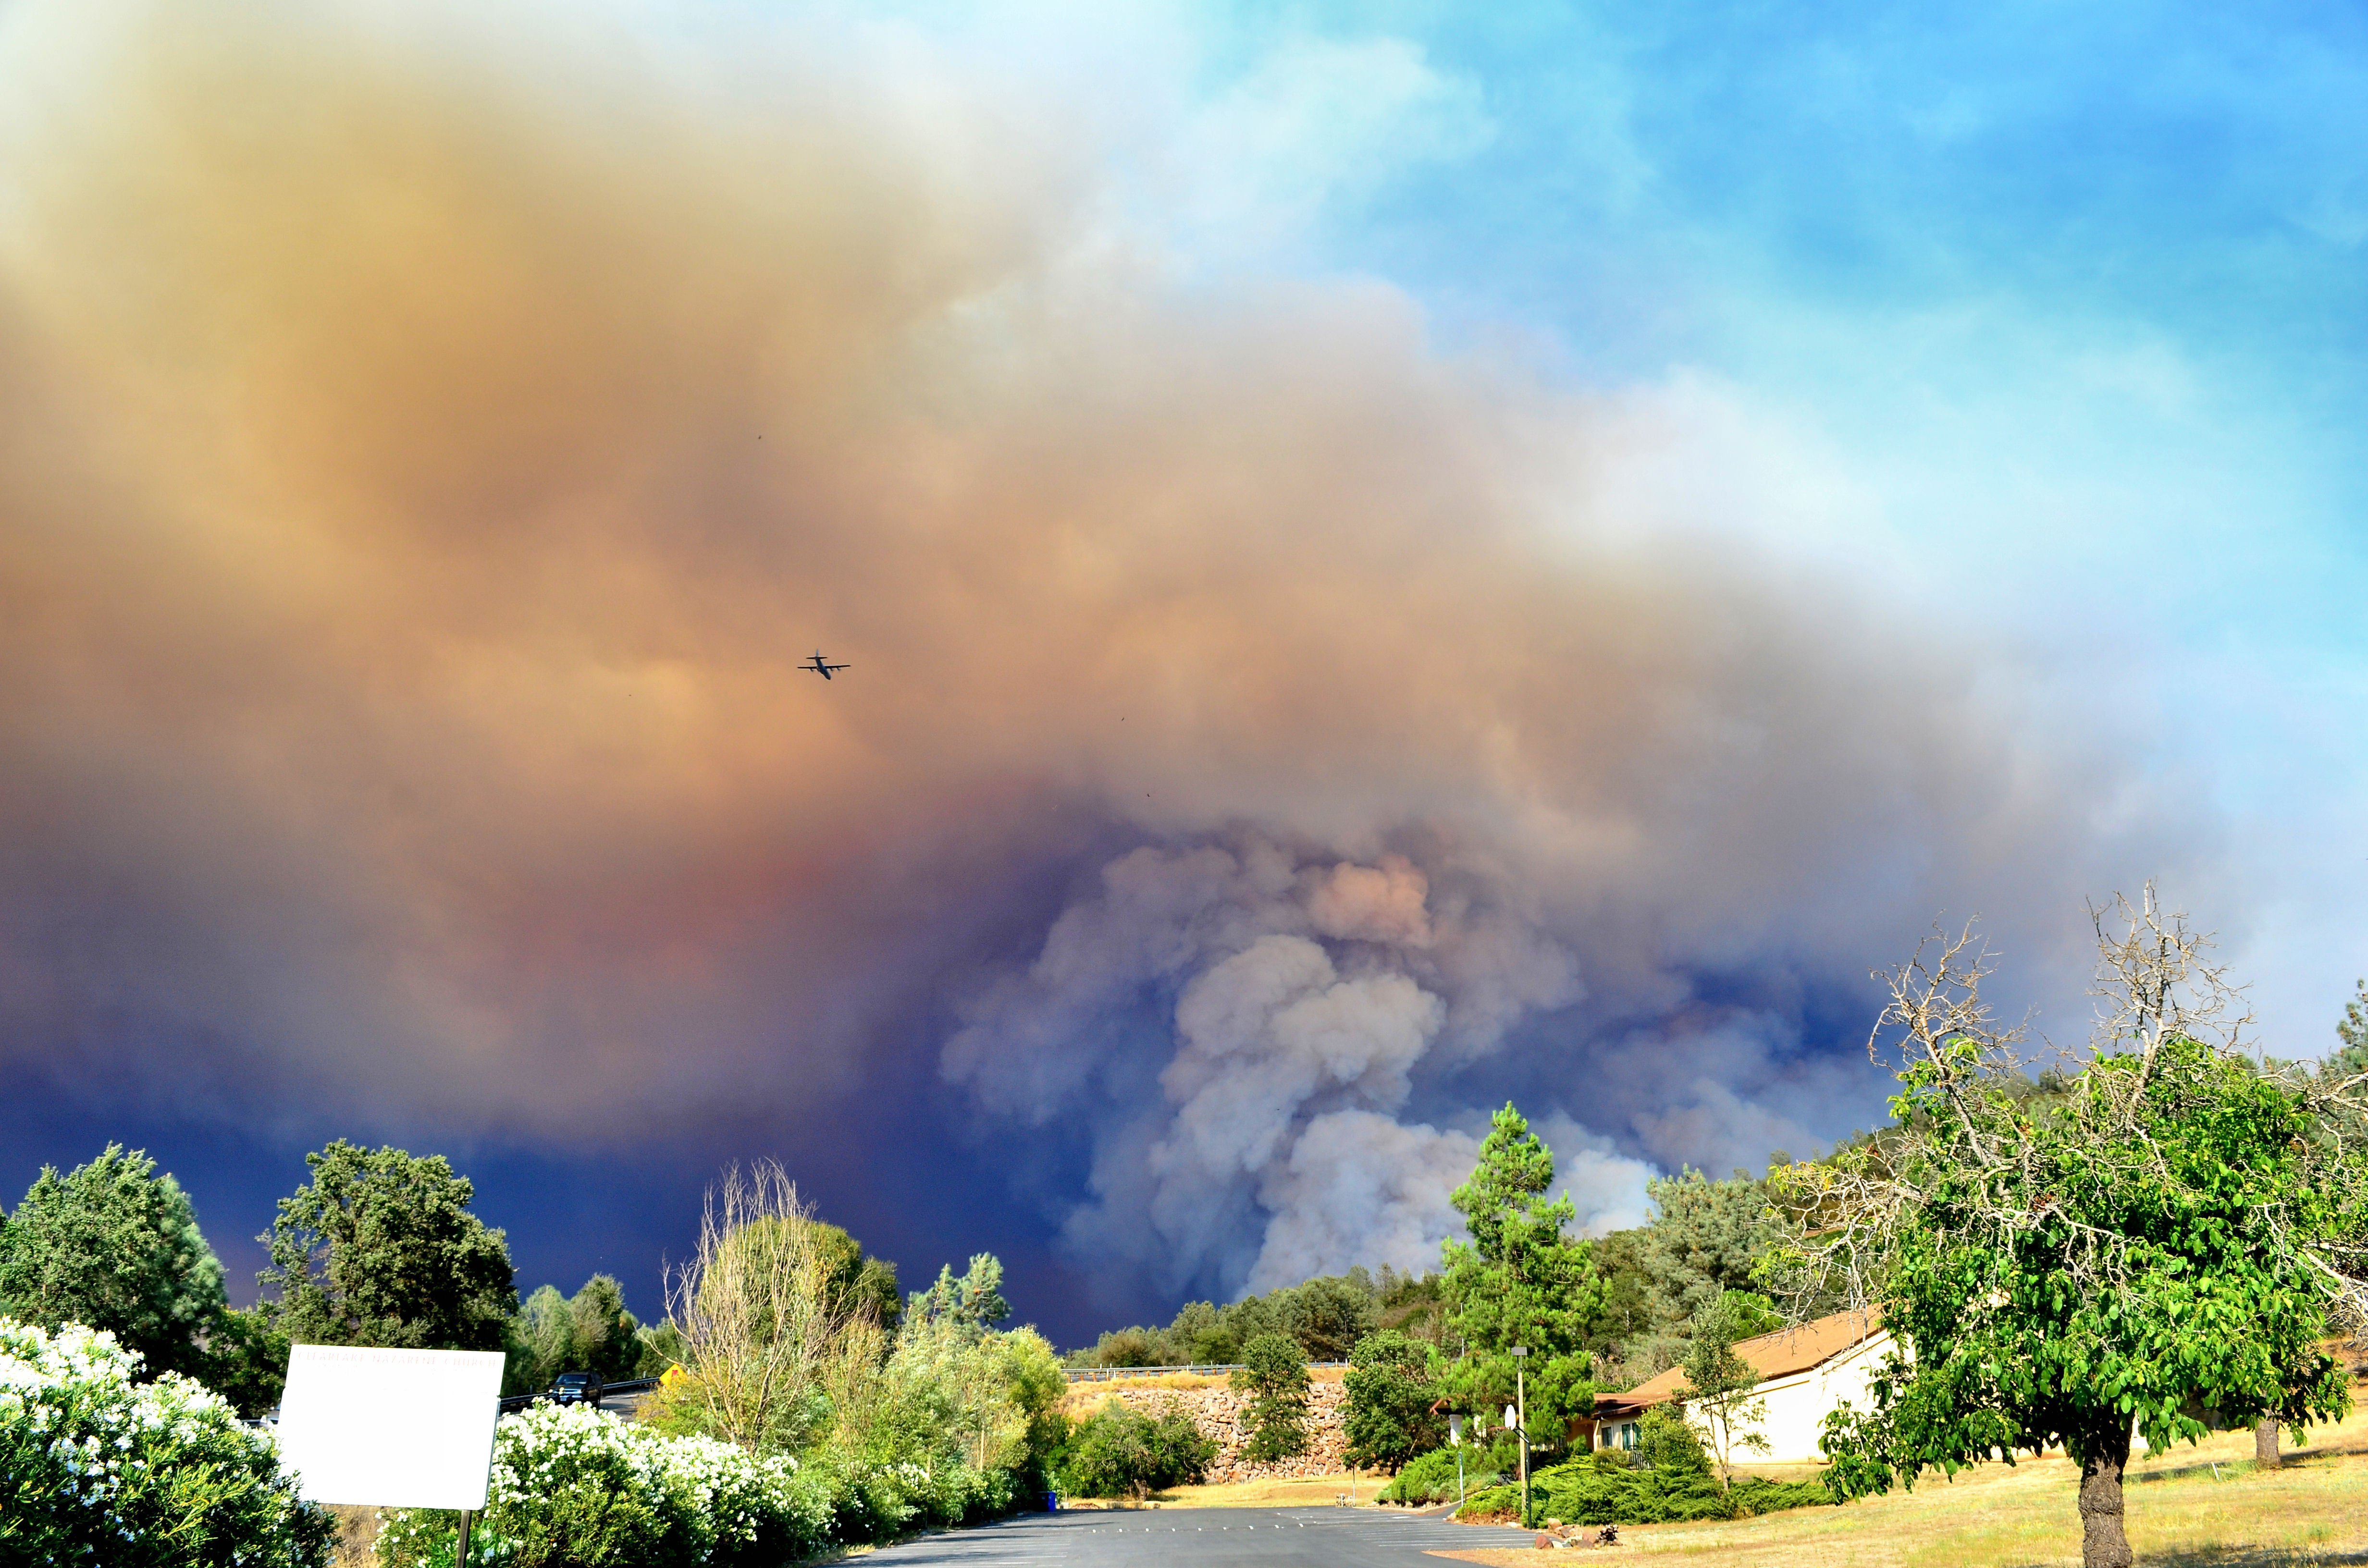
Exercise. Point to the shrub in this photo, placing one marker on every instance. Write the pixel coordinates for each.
(575, 1487)
(99, 1468)
(1117, 1451)
(1432, 1477)
(1668, 1476)
(246, 1359)
(1493, 1502)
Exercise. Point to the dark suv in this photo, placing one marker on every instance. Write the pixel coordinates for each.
(577, 1388)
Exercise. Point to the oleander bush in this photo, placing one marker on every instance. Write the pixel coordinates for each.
(99, 1469)
(572, 1486)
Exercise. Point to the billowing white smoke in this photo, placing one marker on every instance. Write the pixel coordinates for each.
(1304, 995)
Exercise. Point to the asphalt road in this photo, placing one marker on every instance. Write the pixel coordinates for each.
(1318, 1537)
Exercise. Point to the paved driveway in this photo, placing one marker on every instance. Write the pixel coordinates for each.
(1277, 1538)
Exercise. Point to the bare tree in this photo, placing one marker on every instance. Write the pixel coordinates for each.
(766, 1341)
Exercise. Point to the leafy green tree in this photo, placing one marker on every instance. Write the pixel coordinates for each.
(1629, 1315)
(1274, 1374)
(590, 1332)
(1719, 1383)
(973, 1301)
(2161, 1245)
(1327, 1314)
(1704, 1241)
(1519, 1281)
(955, 1391)
(380, 1248)
(862, 1282)
(1203, 1336)
(1390, 1412)
(1412, 1304)
(246, 1359)
(2352, 1030)
(114, 1245)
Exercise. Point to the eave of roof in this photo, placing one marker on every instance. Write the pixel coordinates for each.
(1800, 1348)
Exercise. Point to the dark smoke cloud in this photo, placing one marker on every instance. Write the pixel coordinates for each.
(430, 448)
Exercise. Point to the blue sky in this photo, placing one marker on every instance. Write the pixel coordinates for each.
(2069, 306)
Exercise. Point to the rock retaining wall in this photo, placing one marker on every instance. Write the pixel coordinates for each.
(1223, 1415)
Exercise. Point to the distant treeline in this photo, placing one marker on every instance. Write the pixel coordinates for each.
(1701, 1243)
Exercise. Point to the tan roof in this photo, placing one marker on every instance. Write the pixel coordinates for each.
(1777, 1355)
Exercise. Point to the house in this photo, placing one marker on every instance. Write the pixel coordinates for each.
(1804, 1372)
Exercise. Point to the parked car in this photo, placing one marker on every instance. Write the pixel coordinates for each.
(577, 1388)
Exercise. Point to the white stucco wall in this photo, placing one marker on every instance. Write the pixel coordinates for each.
(1797, 1405)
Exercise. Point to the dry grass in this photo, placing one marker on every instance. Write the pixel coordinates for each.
(357, 1533)
(1084, 1399)
(2181, 1510)
(1301, 1493)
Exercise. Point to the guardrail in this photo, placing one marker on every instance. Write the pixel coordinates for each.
(1207, 1370)
(625, 1385)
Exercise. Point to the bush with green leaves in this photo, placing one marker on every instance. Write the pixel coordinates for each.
(100, 1469)
(246, 1359)
(572, 1488)
(1668, 1477)
(1118, 1453)
(1432, 1478)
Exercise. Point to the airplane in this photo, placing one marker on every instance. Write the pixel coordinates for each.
(820, 668)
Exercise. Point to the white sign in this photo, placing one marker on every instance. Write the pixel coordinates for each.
(391, 1429)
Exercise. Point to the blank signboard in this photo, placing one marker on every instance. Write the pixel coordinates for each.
(392, 1428)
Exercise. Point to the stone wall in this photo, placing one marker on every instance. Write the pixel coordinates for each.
(1222, 1413)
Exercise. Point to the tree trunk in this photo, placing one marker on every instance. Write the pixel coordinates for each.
(2265, 1443)
(2103, 1544)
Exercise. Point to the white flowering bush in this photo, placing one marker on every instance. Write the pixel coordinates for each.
(100, 1471)
(573, 1486)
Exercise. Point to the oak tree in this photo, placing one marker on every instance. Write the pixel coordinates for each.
(380, 1248)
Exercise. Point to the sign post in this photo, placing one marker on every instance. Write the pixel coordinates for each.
(1520, 1359)
(391, 1429)
(1455, 1436)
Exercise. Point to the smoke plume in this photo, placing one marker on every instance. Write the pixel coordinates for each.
(430, 444)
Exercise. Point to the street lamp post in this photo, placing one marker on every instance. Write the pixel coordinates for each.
(1520, 1396)
(1455, 1436)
